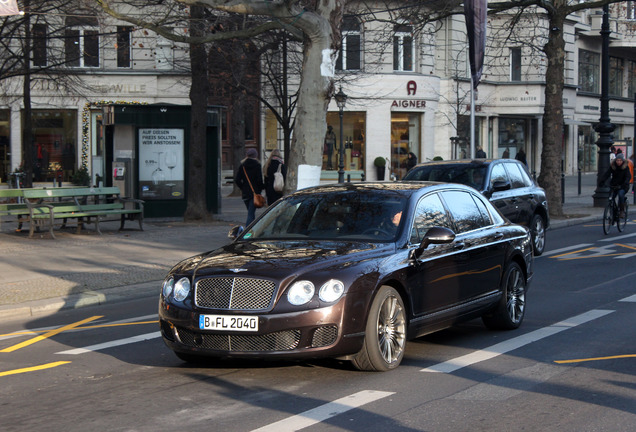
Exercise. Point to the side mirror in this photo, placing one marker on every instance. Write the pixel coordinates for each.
(501, 186)
(435, 235)
(235, 232)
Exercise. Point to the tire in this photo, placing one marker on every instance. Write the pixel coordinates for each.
(622, 221)
(537, 230)
(385, 333)
(509, 313)
(608, 218)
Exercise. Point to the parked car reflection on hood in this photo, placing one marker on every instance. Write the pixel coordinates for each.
(350, 271)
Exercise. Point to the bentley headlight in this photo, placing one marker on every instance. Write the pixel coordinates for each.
(181, 289)
(168, 286)
(300, 292)
(331, 291)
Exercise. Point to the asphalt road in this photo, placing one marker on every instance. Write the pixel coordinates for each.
(570, 367)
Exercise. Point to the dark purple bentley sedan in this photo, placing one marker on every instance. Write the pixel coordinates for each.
(350, 271)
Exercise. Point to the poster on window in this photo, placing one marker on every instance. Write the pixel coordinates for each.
(161, 164)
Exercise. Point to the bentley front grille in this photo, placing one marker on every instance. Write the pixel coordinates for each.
(278, 341)
(234, 293)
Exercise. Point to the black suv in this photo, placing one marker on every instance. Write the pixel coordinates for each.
(505, 182)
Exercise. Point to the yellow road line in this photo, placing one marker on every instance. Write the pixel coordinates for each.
(573, 252)
(626, 246)
(596, 359)
(49, 334)
(33, 368)
(32, 332)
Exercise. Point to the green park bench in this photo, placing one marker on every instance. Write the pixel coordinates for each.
(51, 206)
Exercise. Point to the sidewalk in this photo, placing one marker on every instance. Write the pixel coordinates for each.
(43, 276)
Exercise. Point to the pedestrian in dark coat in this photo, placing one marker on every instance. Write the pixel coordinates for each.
(411, 161)
(252, 167)
(481, 154)
(521, 157)
(271, 166)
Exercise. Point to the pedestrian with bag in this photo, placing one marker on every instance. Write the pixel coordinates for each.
(275, 176)
(249, 178)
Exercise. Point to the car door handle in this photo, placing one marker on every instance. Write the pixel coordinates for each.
(459, 245)
(498, 236)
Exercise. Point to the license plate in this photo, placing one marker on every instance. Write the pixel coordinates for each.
(228, 323)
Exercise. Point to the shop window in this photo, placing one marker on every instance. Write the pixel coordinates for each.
(589, 71)
(123, 46)
(349, 56)
(54, 143)
(616, 66)
(353, 141)
(512, 136)
(403, 48)
(515, 64)
(405, 138)
(39, 45)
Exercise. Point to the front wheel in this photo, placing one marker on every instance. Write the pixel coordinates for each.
(537, 230)
(511, 309)
(385, 333)
(608, 218)
(622, 221)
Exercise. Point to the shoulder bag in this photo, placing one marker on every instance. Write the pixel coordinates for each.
(259, 200)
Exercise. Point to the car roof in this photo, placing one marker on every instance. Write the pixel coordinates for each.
(466, 162)
(408, 187)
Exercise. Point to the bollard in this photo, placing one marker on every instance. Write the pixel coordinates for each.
(579, 181)
(562, 188)
(362, 177)
(348, 178)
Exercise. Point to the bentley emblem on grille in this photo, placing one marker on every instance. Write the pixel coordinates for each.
(238, 270)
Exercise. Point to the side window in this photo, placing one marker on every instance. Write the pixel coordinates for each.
(516, 179)
(430, 212)
(485, 215)
(498, 174)
(464, 210)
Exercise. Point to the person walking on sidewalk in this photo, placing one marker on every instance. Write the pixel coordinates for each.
(271, 167)
(249, 172)
(619, 171)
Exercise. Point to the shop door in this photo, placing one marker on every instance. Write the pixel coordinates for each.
(405, 138)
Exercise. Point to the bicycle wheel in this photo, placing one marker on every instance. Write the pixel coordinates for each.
(608, 217)
(622, 221)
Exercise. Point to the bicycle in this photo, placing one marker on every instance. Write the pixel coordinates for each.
(611, 214)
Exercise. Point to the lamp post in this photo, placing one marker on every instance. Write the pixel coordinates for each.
(341, 100)
(605, 126)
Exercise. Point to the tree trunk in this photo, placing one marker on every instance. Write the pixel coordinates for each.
(552, 152)
(197, 204)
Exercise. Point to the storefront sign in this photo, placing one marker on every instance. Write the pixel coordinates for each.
(409, 103)
(518, 99)
(161, 163)
(120, 88)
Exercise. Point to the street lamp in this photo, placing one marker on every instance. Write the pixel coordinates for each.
(341, 100)
(605, 127)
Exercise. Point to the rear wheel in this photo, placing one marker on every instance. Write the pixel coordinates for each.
(385, 333)
(622, 221)
(537, 230)
(511, 309)
(608, 218)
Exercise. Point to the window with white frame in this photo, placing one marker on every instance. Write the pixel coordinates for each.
(403, 48)
(81, 42)
(349, 55)
(630, 10)
(123, 46)
(515, 64)
(616, 67)
(38, 34)
(589, 71)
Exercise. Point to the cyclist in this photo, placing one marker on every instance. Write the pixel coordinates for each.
(619, 171)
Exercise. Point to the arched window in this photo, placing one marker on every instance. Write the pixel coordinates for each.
(349, 55)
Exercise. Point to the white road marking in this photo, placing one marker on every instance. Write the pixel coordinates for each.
(111, 344)
(512, 344)
(631, 299)
(565, 249)
(611, 239)
(324, 412)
